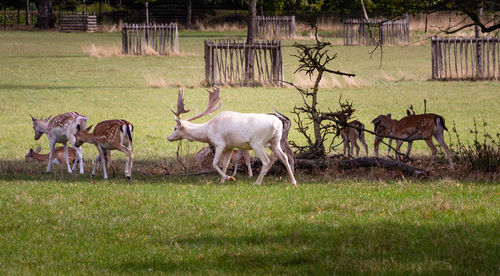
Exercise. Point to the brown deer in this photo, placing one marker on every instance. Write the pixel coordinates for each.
(61, 129)
(350, 136)
(109, 135)
(417, 127)
(382, 127)
(205, 156)
(36, 156)
(229, 130)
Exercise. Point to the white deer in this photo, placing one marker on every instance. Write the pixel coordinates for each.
(61, 129)
(229, 130)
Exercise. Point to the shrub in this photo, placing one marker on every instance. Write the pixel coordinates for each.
(483, 153)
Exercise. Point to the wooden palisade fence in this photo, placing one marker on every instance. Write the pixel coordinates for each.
(140, 39)
(275, 26)
(362, 32)
(225, 63)
(78, 22)
(457, 58)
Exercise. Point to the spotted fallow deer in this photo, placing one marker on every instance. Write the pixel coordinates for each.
(36, 156)
(205, 156)
(422, 127)
(350, 135)
(109, 135)
(61, 129)
(229, 130)
(382, 127)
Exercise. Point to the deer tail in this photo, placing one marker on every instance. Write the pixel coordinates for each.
(441, 121)
(287, 124)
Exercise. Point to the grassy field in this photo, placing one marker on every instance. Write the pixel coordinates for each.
(56, 223)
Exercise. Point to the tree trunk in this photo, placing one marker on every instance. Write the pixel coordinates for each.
(479, 49)
(45, 16)
(28, 22)
(188, 14)
(249, 55)
(318, 143)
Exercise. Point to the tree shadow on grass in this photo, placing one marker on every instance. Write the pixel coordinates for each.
(383, 247)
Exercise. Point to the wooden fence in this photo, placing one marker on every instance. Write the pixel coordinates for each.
(225, 63)
(141, 39)
(465, 58)
(78, 22)
(362, 32)
(275, 26)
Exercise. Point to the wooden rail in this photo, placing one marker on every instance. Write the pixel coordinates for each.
(275, 26)
(362, 32)
(225, 63)
(161, 38)
(78, 22)
(465, 58)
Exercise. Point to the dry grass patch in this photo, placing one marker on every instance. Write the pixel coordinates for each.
(111, 28)
(224, 27)
(159, 82)
(386, 76)
(102, 51)
(353, 82)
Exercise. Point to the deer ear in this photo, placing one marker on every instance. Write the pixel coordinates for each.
(38, 149)
(48, 118)
(33, 118)
(389, 115)
(408, 113)
(31, 150)
(89, 128)
(78, 128)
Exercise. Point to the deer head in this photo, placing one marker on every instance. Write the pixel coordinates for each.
(180, 127)
(82, 135)
(40, 126)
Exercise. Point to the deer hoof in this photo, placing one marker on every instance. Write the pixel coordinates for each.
(128, 178)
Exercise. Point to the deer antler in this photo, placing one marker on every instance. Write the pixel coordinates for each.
(213, 99)
(180, 105)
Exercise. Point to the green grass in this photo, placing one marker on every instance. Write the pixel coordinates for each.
(55, 223)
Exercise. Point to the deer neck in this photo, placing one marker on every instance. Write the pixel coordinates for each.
(196, 132)
(88, 138)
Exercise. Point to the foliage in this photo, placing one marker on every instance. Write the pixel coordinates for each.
(482, 154)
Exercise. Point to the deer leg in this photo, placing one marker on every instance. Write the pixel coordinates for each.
(363, 142)
(355, 143)
(377, 141)
(389, 147)
(264, 160)
(52, 147)
(440, 139)
(433, 150)
(398, 145)
(237, 161)
(346, 146)
(246, 157)
(215, 163)
(409, 148)
(97, 160)
(67, 158)
(282, 156)
(228, 154)
(103, 161)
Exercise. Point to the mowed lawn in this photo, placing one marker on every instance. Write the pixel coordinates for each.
(163, 222)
